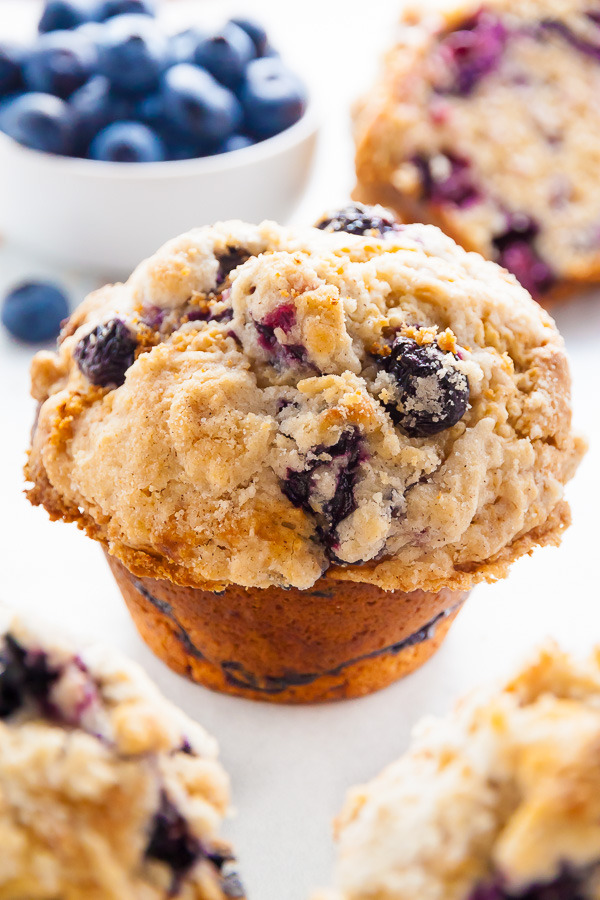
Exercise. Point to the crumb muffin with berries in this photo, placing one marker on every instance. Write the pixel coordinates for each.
(498, 801)
(107, 791)
(485, 121)
(301, 447)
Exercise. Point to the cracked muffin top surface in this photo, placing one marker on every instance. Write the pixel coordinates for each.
(107, 790)
(498, 801)
(260, 404)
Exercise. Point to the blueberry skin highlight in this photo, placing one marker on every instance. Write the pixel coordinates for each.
(226, 54)
(39, 121)
(95, 106)
(198, 105)
(127, 142)
(63, 14)
(255, 32)
(59, 63)
(273, 98)
(133, 54)
(33, 311)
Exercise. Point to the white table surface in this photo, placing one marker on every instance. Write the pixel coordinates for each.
(291, 767)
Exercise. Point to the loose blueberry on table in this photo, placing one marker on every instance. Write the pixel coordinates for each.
(33, 311)
(101, 63)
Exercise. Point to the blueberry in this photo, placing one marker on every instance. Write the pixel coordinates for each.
(283, 355)
(589, 48)
(273, 97)
(473, 51)
(108, 9)
(11, 73)
(226, 54)
(236, 142)
(566, 886)
(172, 842)
(105, 354)
(59, 63)
(447, 179)
(516, 252)
(62, 14)
(24, 676)
(92, 32)
(34, 310)
(255, 32)
(182, 46)
(133, 54)
(431, 394)
(95, 106)
(302, 487)
(359, 219)
(39, 121)
(128, 142)
(198, 105)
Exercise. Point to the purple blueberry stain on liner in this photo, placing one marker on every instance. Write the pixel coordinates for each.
(471, 52)
(106, 353)
(452, 186)
(238, 676)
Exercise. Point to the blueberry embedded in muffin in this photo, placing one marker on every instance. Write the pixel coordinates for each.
(472, 126)
(104, 785)
(497, 801)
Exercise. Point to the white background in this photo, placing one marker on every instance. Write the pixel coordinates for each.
(290, 767)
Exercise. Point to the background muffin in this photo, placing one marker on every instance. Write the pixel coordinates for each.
(263, 408)
(106, 789)
(499, 800)
(485, 121)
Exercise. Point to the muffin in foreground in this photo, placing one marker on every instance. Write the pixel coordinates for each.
(106, 789)
(301, 447)
(499, 800)
(485, 121)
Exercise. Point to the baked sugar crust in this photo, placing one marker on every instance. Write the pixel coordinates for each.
(501, 799)
(254, 438)
(107, 790)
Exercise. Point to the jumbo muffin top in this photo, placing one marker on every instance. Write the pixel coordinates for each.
(498, 801)
(260, 404)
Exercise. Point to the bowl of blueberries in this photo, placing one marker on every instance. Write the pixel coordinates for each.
(115, 134)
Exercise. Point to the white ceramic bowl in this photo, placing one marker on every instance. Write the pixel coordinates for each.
(105, 217)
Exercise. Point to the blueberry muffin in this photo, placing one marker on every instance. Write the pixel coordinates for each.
(499, 800)
(486, 121)
(301, 447)
(107, 791)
